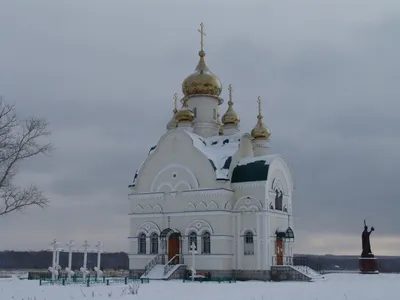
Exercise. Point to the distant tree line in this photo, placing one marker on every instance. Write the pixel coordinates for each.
(119, 261)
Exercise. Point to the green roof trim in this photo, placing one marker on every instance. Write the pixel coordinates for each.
(254, 171)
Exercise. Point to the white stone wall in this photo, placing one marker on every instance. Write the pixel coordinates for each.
(177, 188)
(205, 123)
(218, 225)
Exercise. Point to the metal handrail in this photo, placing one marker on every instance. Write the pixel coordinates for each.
(168, 266)
(286, 260)
(152, 263)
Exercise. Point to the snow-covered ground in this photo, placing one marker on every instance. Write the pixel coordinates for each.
(335, 287)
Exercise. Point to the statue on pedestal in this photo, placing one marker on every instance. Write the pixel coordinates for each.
(366, 244)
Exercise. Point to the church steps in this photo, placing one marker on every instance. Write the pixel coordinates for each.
(294, 273)
(157, 272)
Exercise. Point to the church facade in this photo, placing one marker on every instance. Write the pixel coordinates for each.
(208, 186)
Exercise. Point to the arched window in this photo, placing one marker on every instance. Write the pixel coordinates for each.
(215, 114)
(142, 244)
(278, 199)
(248, 243)
(195, 112)
(192, 239)
(154, 244)
(206, 243)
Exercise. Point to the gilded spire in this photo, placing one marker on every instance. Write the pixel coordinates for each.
(260, 131)
(185, 114)
(202, 81)
(230, 117)
(230, 102)
(172, 123)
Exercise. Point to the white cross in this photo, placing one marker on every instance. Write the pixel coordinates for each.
(193, 252)
(193, 248)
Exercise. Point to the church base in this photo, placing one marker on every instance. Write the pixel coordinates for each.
(242, 275)
(368, 265)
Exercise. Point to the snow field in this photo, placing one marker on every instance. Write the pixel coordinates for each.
(335, 287)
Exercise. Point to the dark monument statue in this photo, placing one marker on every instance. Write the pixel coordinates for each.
(366, 244)
(368, 263)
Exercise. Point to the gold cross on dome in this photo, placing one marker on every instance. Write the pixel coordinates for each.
(230, 94)
(259, 105)
(202, 35)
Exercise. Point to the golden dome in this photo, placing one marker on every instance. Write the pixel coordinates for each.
(202, 81)
(172, 123)
(260, 131)
(230, 117)
(185, 114)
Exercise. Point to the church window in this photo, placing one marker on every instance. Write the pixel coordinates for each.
(278, 200)
(215, 114)
(195, 112)
(248, 243)
(206, 243)
(154, 244)
(192, 239)
(142, 244)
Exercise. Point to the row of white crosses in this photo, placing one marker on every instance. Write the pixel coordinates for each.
(55, 268)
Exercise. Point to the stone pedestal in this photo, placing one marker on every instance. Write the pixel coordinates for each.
(368, 265)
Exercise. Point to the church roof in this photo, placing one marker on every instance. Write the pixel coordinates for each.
(137, 171)
(252, 169)
(219, 151)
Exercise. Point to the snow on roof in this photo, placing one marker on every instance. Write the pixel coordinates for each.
(137, 171)
(219, 150)
(248, 160)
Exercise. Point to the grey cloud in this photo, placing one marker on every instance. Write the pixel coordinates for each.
(104, 76)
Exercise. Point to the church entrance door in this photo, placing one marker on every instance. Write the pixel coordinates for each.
(173, 247)
(279, 251)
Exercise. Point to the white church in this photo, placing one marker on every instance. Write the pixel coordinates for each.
(208, 187)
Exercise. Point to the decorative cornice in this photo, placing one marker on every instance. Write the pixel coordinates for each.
(182, 213)
(146, 196)
(208, 192)
(199, 192)
(250, 184)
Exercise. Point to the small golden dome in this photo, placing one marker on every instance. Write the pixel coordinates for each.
(230, 117)
(185, 114)
(260, 131)
(202, 81)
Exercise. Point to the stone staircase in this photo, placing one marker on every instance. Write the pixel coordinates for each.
(294, 273)
(156, 271)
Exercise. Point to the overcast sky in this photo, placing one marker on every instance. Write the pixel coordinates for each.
(99, 71)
